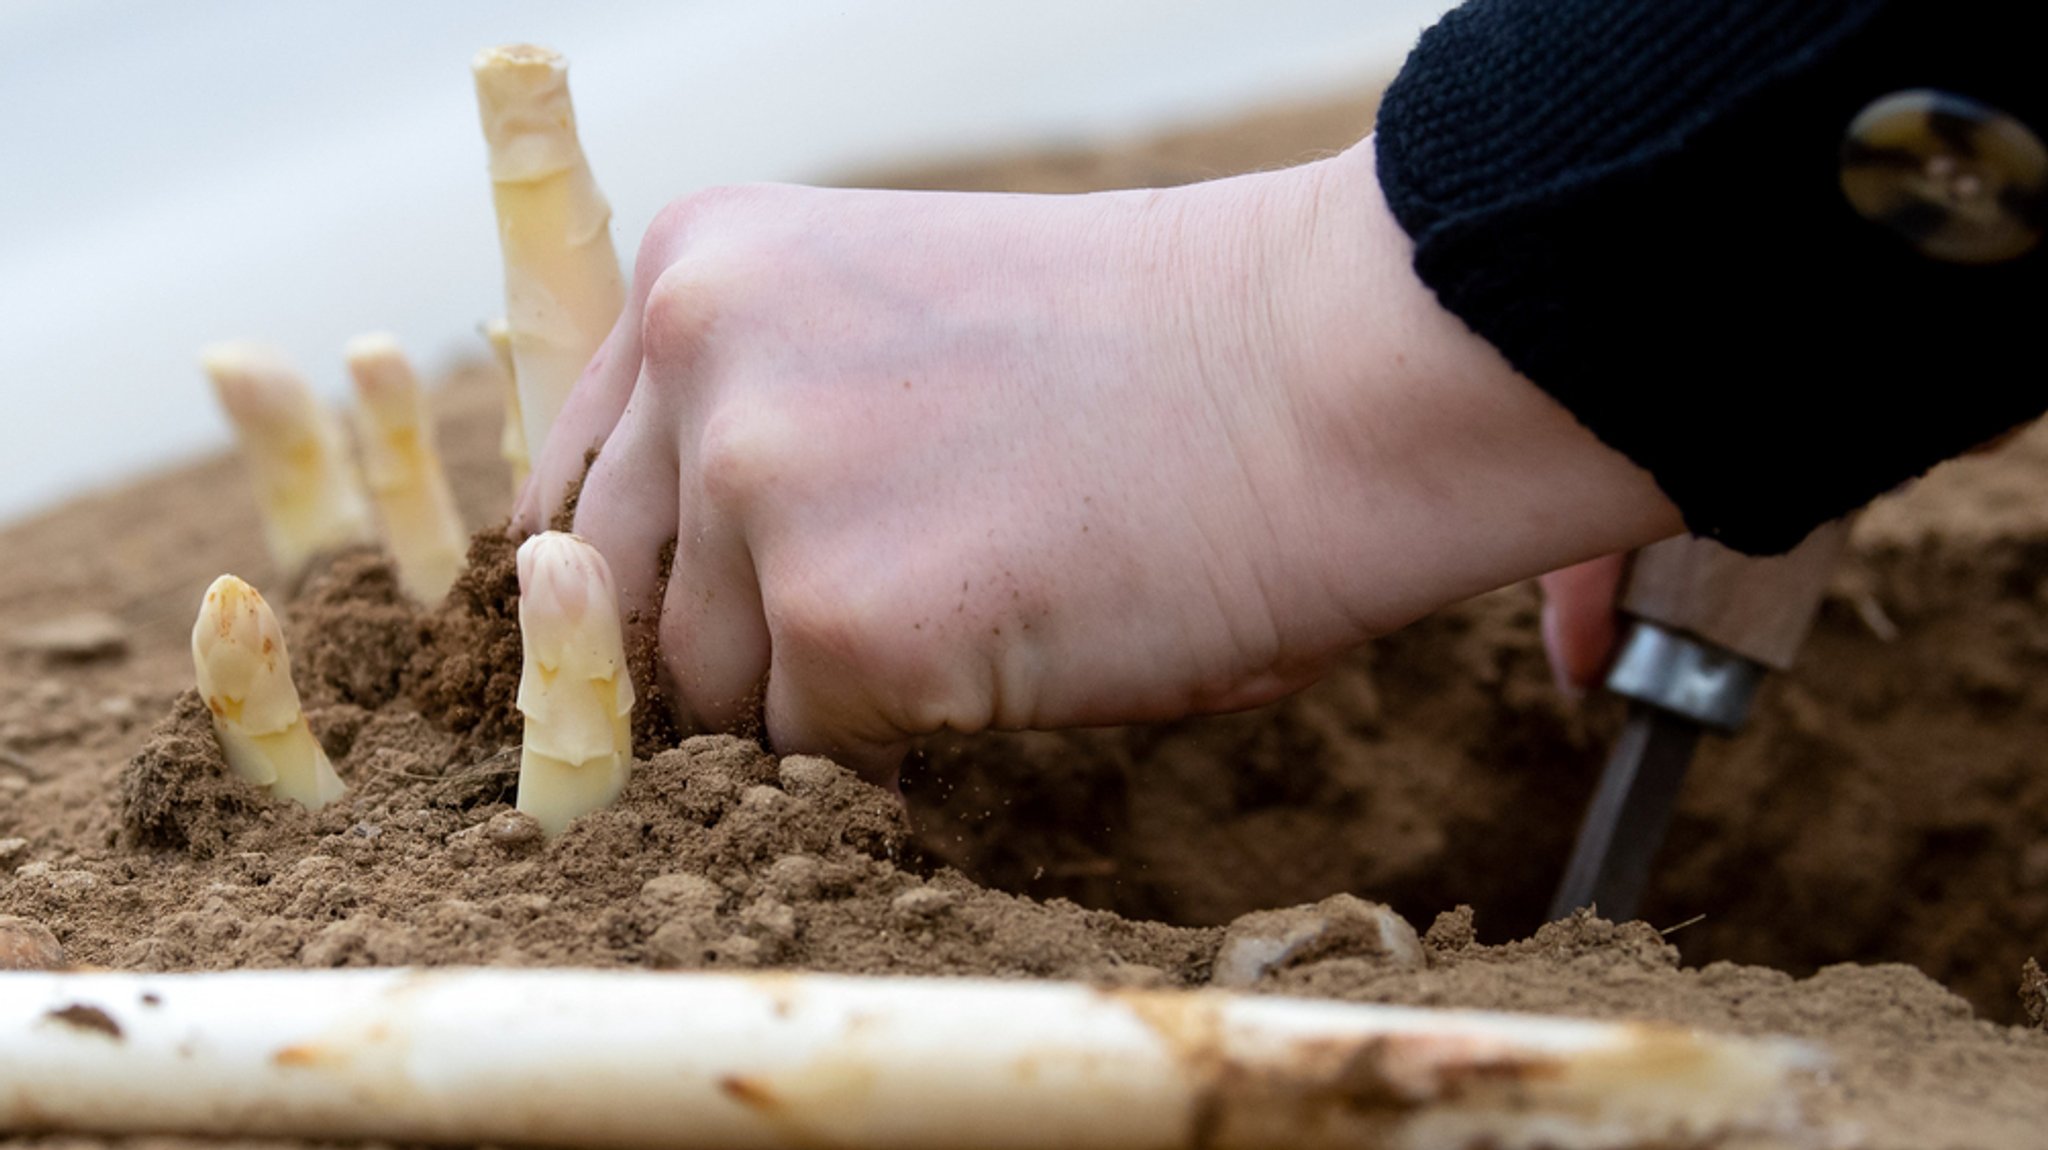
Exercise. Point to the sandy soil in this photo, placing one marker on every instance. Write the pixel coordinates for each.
(1887, 809)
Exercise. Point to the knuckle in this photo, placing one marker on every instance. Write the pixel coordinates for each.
(740, 453)
(861, 633)
(682, 306)
(816, 625)
(683, 223)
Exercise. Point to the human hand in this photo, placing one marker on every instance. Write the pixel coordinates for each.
(943, 461)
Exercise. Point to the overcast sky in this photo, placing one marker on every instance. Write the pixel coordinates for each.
(172, 174)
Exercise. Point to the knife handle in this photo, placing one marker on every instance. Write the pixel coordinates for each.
(1759, 608)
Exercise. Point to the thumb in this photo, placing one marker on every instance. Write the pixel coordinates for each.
(1579, 624)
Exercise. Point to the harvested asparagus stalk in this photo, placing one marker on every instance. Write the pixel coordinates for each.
(245, 675)
(296, 454)
(563, 291)
(512, 437)
(640, 1060)
(574, 690)
(403, 469)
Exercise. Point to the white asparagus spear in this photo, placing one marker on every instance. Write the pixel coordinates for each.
(296, 454)
(403, 470)
(245, 675)
(641, 1060)
(575, 693)
(512, 436)
(563, 291)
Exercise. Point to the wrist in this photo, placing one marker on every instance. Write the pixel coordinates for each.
(1445, 472)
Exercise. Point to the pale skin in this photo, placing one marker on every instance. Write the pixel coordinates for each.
(945, 461)
(1579, 622)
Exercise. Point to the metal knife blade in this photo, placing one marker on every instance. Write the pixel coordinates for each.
(1630, 812)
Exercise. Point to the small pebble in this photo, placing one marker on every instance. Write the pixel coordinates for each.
(71, 883)
(26, 944)
(11, 850)
(513, 830)
(766, 800)
(808, 774)
(923, 902)
(795, 876)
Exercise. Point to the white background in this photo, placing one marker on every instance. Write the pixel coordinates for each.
(176, 173)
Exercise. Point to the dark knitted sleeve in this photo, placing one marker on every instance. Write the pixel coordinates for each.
(1639, 203)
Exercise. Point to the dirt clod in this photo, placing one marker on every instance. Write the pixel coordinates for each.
(513, 831)
(2034, 993)
(177, 792)
(1266, 941)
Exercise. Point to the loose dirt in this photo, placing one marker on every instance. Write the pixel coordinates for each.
(1888, 807)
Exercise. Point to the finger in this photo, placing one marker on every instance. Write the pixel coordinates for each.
(608, 382)
(588, 417)
(628, 506)
(814, 708)
(714, 640)
(1579, 624)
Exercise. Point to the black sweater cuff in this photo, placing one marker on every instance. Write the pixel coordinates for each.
(1640, 205)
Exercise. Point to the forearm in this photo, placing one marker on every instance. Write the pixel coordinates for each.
(1443, 472)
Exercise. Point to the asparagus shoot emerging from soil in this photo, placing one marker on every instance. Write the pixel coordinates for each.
(512, 438)
(574, 690)
(562, 285)
(245, 676)
(296, 453)
(403, 470)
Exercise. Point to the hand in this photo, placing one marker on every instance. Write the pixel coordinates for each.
(968, 461)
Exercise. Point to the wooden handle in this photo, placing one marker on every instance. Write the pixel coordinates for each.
(1758, 608)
